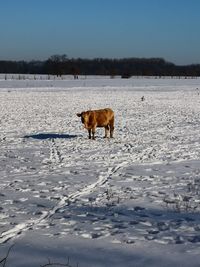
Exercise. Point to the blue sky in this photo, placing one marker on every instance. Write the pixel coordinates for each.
(37, 29)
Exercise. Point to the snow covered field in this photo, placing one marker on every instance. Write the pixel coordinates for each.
(129, 201)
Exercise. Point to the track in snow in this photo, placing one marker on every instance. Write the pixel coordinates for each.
(22, 227)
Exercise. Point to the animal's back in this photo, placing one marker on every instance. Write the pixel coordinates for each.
(106, 111)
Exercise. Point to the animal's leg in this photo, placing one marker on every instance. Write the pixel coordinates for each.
(111, 127)
(93, 133)
(106, 131)
(89, 131)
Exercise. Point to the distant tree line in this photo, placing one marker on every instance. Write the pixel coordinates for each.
(125, 67)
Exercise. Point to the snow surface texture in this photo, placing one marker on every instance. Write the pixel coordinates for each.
(128, 201)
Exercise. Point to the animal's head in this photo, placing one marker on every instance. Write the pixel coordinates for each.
(84, 117)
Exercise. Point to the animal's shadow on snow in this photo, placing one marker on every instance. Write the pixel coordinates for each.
(43, 136)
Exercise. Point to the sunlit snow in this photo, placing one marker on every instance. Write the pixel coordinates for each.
(133, 200)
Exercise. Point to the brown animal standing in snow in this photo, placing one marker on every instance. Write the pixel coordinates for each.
(98, 118)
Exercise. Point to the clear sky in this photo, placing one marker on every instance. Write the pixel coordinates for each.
(37, 29)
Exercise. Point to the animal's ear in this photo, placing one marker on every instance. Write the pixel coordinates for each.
(78, 114)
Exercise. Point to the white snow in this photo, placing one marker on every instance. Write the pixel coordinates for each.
(129, 201)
